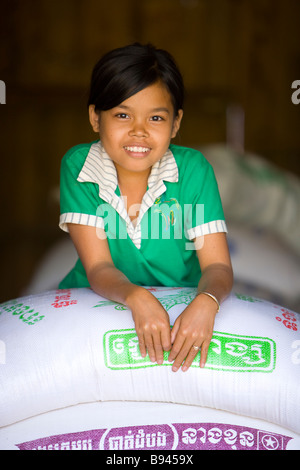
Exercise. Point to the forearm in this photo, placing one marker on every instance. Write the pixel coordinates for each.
(217, 279)
(107, 281)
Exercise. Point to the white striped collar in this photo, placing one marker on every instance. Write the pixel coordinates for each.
(99, 168)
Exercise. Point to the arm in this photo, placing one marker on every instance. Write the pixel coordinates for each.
(194, 327)
(150, 318)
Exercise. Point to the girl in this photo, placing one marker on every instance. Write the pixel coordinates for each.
(142, 211)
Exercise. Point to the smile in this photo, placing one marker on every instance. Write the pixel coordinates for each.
(137, 149)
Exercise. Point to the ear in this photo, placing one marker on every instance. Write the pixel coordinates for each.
(94, 118)
(176, 123)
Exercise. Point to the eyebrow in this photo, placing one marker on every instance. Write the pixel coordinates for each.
(154, 110)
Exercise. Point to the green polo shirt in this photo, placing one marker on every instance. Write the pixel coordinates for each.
(182, 202)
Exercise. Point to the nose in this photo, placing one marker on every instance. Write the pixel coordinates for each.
(138, 129)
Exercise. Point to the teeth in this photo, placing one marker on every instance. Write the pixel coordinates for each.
(137, 149)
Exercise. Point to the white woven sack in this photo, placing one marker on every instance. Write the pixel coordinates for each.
(117, 426)
(62, 348)
(262, 262)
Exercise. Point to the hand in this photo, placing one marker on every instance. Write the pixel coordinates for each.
(194, 327)
(152, 325)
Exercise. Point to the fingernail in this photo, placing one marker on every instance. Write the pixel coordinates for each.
(174, 369)
(184, 368)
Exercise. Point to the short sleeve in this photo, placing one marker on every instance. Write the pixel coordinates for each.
(78, 201)
(206, 212)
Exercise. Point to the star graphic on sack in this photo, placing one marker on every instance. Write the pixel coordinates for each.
(270, 442)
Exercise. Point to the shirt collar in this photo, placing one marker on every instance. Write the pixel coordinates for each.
(99, 168)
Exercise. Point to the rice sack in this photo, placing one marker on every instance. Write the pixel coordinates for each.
(63, 348)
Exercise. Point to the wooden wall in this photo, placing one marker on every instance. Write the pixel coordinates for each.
(244, 52)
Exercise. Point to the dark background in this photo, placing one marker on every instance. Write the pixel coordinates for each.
(241, 52)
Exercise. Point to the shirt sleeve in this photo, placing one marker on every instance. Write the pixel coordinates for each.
(78, 201)
(206, 212)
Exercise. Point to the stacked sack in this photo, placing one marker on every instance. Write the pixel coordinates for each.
(64, 348)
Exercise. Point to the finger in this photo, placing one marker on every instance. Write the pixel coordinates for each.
(158, 350)
(176, 347)
(166, 339)
(157, 345)
(142, 346)
(179, 352)
(194, 351)
(150, 347)
(174, 331)
(204, 352)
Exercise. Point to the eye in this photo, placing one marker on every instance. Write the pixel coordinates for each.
(157, 118)
(122, 116)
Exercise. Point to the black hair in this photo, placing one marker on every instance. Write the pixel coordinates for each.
(123, 72)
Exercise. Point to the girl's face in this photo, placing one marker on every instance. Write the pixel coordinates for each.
(137, 133)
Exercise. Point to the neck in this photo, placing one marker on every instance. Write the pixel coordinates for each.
(133, 186)
(131, 179)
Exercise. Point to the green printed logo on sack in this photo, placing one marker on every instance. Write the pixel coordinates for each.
(227, 352)
(25, 312)
(168, 301)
